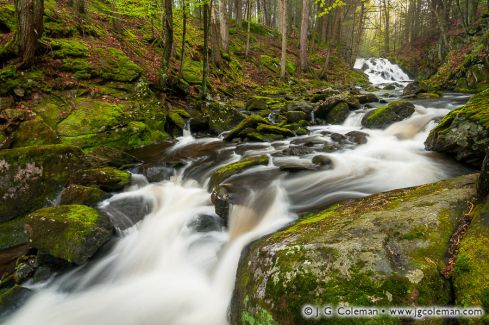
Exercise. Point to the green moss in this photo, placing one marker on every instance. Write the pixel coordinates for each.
(34, 132)
(227, 171)
(78, 194)
(12, 233)
(107, 178)
(68, 48)
(115, 65)
(81, 68)
(250, 122)
(267, 128)
(91, 116)
(386, 115)
(7, 16)
(70, 232)
(470, 277)
(176, 119)
(192, 72)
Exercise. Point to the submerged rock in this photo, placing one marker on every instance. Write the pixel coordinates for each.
(384, 116)
(30, 177)
(464, 132)
(70, 232)
(383, 250)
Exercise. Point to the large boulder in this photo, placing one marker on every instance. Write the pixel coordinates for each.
(323, 107)
(107, 178)
(464, 132)
(31, 177)
(338, 114)
(384, 116)
(14, 242)
(412, 89)
(383, 250)
(69, 232)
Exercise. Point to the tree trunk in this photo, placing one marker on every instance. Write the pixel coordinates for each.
(239, 13)
(303, 39)
(248, 18)
(386, 28)
(223, 26)
(283, 22)
(184, 34)
(79, 6)
(29, 29)
(215, 37)
(168, 45)
(205, 65)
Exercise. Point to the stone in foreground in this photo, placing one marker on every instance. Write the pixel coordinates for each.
(70, 232)
(383, 250)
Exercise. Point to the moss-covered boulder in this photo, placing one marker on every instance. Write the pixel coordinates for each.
(384, 116)
(367, 98)
(251, 121)
(470, 276)
(464, 132)
(113, 157)
(383, 250)
(227, 171)
(79, 194)
(94, 123)
(30, 177)
(14, 242)
(428, 96)
(34, 132)
(69, 232)
(338, 113)
(295, 116)
(192, 72)
(107, 178)
(222, 117)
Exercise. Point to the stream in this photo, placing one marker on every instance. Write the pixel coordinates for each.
(174, 261)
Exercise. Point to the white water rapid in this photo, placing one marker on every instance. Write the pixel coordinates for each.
(381, 71)
(174, 262)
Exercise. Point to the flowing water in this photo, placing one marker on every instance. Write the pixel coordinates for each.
(174, 261)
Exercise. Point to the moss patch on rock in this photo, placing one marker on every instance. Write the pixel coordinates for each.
(222, 117)
(70, 232)
(107, 178)
(79, 194)
(359, 252)
(464, 132)
(34, 132)
(227, 171)
(31, 176)
(384, 116)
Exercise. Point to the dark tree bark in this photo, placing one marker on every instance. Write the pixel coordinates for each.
(79, 6)
(168, 45)
(184, 35)
(239, 12)
(205, 65)
(304, 31)
(29, 29)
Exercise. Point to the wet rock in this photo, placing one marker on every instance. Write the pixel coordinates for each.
(221, 198)
(367, 98)
(69, 232)
(295, 165)
(14, 243)
(273, 129)
(357, 137)
(339, 138)
(30, 177)
(464, 132)
(207, 223)
(428, 96)
(107, 178)
(323, 108)
(157, 173)
(324, 161)
(256, 104)
(12, 299)
(227, 171)
(295, 116)
(483, 182)
(126, 211)
(86, 195)
(358, 252)
(330, 147)
(251, 121)
(338, 114)
(389, 87)
(114, 157)
(412, 89)
(24, 270)
(302, 106)
(384, 116)
(297, 151)
(323, 94)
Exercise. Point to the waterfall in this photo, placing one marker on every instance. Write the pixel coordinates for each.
(381, 71)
